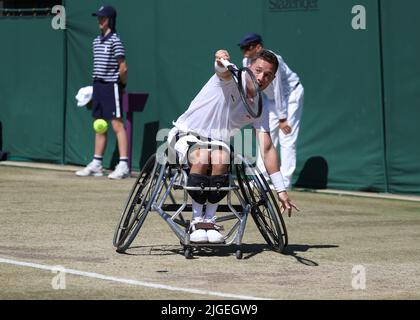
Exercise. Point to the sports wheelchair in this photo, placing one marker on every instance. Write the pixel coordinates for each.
(154, 192)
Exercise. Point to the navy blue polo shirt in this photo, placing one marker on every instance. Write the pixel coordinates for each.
(106, 52)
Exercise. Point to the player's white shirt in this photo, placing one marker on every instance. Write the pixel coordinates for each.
(217, 112)
(281, 87)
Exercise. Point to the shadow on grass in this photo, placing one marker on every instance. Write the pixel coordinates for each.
(294, 249)
(248, 250)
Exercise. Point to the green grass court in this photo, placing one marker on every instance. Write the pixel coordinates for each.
(52, 218)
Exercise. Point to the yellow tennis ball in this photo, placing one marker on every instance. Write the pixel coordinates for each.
(100, 126)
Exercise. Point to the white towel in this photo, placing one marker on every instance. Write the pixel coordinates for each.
(84, 96)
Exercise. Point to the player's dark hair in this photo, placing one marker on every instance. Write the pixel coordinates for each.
(267, 56)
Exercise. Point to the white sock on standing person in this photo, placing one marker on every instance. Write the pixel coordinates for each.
(97, 160)
(124, 161)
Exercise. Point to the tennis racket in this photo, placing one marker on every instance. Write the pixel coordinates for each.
(248, 87)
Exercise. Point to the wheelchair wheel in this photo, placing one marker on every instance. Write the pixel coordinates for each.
(138, 204)
(264, 207)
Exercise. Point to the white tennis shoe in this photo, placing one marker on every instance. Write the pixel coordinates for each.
(198, 235)
(121, 171)
(91, 169)
(214, 236)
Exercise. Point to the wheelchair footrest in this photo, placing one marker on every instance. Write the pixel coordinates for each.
(208, 226)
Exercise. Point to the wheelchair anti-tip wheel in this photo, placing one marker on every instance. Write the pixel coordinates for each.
(138, 205)
(188, 252)
(265, 210)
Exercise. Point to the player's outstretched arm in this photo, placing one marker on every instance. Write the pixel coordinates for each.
(286, 203)
(272, 165)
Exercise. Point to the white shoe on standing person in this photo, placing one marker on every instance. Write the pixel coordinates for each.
(92, 169)
(121, 171)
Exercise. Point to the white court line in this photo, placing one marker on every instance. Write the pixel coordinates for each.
(128, 281)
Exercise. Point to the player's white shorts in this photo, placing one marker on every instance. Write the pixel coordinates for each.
(184, 142)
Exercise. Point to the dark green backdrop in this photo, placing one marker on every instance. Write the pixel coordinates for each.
(362, 98)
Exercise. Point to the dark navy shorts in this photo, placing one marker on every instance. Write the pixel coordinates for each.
(106, 100)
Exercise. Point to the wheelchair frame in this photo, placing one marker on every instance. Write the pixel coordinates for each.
(153, 188)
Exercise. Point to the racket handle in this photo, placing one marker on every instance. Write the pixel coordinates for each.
(226, 63)
(219, 68)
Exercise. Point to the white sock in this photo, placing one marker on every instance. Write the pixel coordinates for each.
(211, 209)
(197, 209)
(123, 163)
(97, 160)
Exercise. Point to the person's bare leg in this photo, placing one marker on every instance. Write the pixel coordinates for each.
(220, 161)
(100, 144)
(199, 161)
(219, 166)
(118, 126)
(94, 168)
(122, 170)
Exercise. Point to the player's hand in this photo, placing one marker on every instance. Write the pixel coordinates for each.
(286, 203)
(284, 127)
(222, 54)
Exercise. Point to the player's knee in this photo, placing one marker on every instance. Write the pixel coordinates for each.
(117, 124)
(199, 168)
(220, 181)
(219, 169)
(220, 159)
(198, 180)
(199, 157)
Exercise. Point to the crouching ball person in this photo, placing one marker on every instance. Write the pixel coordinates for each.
(201, 139)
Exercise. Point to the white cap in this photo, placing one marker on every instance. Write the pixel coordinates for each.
(84, 96)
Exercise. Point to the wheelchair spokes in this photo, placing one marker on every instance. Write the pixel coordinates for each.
(137, 205)
(265, 210)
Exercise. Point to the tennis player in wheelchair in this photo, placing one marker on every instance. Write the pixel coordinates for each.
(201, 139)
